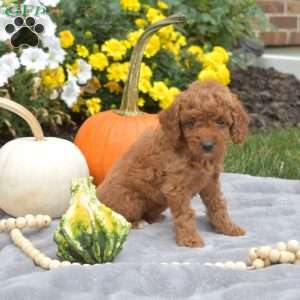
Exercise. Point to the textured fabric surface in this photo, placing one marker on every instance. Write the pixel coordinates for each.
(268, 208)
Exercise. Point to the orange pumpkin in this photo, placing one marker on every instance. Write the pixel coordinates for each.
(106, 136)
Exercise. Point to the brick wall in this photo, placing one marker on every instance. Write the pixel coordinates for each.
(285, 15)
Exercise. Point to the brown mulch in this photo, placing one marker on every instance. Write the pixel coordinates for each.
(271, 98)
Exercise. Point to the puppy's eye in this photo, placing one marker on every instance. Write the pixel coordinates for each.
(190, 124)
(220, 123)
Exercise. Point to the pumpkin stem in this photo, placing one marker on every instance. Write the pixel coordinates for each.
(129, 104)
(24, 114)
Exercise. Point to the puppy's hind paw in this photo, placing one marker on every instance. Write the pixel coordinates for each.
(139, 224)
(232, 230)
(192, 241)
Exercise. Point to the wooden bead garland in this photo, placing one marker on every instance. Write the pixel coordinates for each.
(282, 253)
(14, 226)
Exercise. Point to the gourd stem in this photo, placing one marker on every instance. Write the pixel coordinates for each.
(24, 114)
(129, 104)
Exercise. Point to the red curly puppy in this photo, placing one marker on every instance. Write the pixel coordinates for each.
(168, 166)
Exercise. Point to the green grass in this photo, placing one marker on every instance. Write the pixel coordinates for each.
(271, 154)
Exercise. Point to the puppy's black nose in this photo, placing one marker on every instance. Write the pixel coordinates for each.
(207, 146)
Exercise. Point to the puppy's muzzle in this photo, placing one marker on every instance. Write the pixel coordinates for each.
(207, 146)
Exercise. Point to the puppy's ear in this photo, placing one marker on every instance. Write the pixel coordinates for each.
(239, 128)
(170, 123)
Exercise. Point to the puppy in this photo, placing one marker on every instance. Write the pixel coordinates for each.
(166, 167)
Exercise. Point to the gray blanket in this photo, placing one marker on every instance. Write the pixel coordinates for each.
(268, 208)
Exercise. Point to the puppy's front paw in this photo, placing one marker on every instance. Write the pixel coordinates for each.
(193, 241)
(231, 230)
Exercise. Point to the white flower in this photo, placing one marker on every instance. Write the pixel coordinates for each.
(4, 76)
(84, 71)
(52, 3)
(32, 2)
(4, 20)
(34, 59)
(9, 63)
(71, 91)
(51, 42)
(56, 57)
(49, 25)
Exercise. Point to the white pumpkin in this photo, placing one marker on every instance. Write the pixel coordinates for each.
(36, 173)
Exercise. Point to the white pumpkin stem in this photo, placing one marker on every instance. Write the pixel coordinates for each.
(26, 115)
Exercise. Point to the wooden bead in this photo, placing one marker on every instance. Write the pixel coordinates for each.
(293, 246)
(267, 262)
(34, 252)
(263, 252)
(252, 254)
(3, 225)
(274, 255)
(27, 249)
(65, 263)
(39, 258)
(219, 265)
(54, 264)
(21, 223)
(292, 257)
(258, 263)
(10, 224)
(297, 262)
(284, 257)
(30, 221)
(281, 246)
(229, 265)
(240, 265)
(15, 233)
(45, 262)
(40, 221)
(47, 220)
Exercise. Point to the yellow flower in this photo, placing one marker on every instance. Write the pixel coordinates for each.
(212, 59)
(169, 98)
(223, 52)
(153, 46)
(74, 68)
(126, 44)
(98, 61)
(134, 36)
(197, 51)
(145, 72)
(113, 87)
(114, 49)
(130, 5)
(82, 51)
(181, 40)
(141, 102)
(145, 85)
(162, 5)
(166, 33)
(159, 91)
(173, 48)
(66, 39)
(154, 15)
(140, 23)
(53, 78)
(208, 74)
(93, 105)
(77, 106)
(223, 74)
(118, 72)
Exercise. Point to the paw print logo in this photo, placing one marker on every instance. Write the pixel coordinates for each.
(24, 32)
